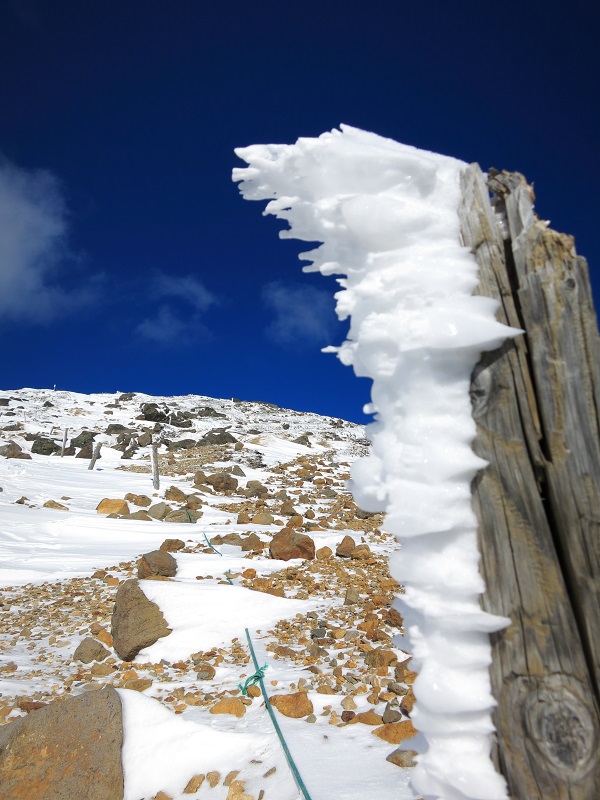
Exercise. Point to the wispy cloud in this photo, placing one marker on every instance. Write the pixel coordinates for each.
(302, 314)
(33, 248)
(177, 322)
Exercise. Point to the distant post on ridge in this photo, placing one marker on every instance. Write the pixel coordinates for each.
(155, 472)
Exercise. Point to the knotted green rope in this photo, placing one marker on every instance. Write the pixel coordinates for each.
(288, 755)
(253, 679)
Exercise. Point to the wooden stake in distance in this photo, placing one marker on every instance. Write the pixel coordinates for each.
(155, 473)
(95, 456)
(64, 442)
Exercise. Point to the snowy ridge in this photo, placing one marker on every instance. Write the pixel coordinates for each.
(387, 216)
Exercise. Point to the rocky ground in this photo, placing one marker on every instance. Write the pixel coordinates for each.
(250, 481)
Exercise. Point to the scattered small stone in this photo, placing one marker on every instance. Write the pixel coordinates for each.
(213, 778)
(194, 784)
(352, 596)
(230, 777)
(405, 759)
(391, 715)
(206, 672)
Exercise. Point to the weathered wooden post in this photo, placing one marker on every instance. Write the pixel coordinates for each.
(155, 471)
(95, 455)
(536, 404)
(64, 442)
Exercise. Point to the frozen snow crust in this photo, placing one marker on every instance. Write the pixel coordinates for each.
(387, 216)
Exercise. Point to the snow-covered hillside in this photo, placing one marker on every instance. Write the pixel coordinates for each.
(233, 475)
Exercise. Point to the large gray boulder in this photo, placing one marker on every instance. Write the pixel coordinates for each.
(152, 413)
(84, 438)
(137, 622)
(217, 436)
(68, 749)
(44, 447)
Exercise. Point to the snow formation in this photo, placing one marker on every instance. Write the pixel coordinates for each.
(387, 217)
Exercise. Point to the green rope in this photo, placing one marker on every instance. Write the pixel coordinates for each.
(288, 755)
(210, 545)
(217, 552)
(253, 679)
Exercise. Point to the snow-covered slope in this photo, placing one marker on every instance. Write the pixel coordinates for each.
(313, 622)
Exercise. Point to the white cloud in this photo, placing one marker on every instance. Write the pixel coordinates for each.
(303, 314)
(182, 322)
(33, 250)
(185, 288)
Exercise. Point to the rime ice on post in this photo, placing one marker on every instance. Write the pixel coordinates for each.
(387, 216)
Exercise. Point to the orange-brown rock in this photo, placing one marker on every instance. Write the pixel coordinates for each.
(396, 732)
(222, 482)
(367, 718)
(105, 637)
(253, 543)
(70, 748)
(294, 705)
(157, 562)
(229, 705)
(381, 659)
(361, 552)
(404, 674)
(345, 547)
(175, 495)
(138, 499)
(194, 784)
(172, 545)
(108, 506)
(288, 544)
(236, 791)
(394, 618)
(323, 553)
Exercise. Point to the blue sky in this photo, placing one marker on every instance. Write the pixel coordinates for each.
(128, 260)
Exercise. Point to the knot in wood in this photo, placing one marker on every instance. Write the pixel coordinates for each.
(558, 720)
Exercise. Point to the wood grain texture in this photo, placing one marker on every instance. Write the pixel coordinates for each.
(536, 404)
